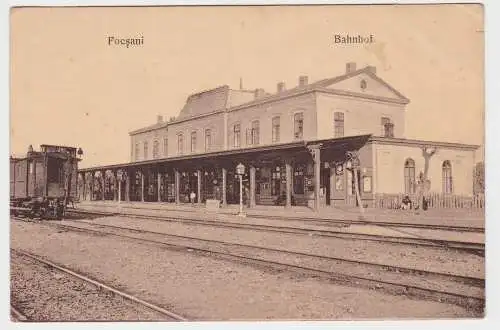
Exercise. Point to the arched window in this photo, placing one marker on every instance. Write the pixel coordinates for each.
(193, 141)
(136, 151)
(145, 149)
(156, 147)
(180, 144)
(208, 139)
(447, 177)
(237, 135)
(253, 133)
(165, 146)
(276, 129)
(298, 120)
(409, 174)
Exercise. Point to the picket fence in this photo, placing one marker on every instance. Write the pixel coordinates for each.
(434, 201)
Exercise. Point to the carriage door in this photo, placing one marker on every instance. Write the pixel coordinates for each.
(31, 178)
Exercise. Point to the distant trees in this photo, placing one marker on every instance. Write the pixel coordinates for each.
(424, 184)
(479, 178)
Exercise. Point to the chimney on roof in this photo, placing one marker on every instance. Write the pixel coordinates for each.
(372, 69)
(259, 92)
(159, 119)
(350, 67)
(281, 87)
(303, 80)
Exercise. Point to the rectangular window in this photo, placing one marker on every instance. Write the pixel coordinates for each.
(193, 141)
(156, 147)
(255, 132)
(165, 147)
(208, 139)
(249, 136)
(338, 118)
(180, 144)
(237, 135)
(298, 119)
(387, 127)
(136, 151)
(146, 150)
(276, 130)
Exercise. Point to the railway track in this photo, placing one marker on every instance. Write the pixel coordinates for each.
(392, 279)
(17, 315)
(477, 248)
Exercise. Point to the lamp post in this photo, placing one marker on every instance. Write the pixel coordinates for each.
(240, 170)
(119, 176)
(352, 164)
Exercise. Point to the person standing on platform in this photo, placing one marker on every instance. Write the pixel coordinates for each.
(192, 197)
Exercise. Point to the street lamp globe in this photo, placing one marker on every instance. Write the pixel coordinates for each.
(240, 169)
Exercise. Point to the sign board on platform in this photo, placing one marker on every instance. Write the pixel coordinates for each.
(212, 204)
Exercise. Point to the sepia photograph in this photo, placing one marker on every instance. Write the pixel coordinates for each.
(247, 163)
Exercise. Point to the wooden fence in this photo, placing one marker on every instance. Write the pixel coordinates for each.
(434, 201)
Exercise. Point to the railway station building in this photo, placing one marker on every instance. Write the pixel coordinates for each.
(294, 143)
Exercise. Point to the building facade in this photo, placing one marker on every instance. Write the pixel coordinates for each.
(294, 143)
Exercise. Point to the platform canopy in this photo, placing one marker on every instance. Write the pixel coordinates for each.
(331, 149)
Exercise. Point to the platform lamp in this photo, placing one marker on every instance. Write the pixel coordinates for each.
(240, 170)
(119, 177)
(353, 164)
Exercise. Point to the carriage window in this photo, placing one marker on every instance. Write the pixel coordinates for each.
(54, 171)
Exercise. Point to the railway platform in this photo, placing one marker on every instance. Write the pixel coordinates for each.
(441, 217)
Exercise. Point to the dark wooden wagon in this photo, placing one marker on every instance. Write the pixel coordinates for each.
(44, 182)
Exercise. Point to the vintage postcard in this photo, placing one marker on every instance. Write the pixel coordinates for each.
(247, 163)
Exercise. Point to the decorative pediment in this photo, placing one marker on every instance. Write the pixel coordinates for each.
(364, 82)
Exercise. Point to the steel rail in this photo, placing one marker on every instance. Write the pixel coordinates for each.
(100, 285)
(459, 245)
(17, 315)
(340, 221)
(458, 278)
(412, 290)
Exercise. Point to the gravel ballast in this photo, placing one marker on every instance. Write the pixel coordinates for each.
(46, 294)
(205, 288)
(419, 257)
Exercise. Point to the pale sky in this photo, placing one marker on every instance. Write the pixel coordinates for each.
(69, 87)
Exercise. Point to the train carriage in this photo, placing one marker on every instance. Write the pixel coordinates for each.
(44, 182)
